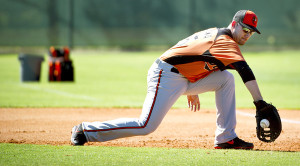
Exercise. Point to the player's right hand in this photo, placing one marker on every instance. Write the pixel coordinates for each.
(193, 102)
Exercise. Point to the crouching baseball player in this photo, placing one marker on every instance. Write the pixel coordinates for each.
(195, 65)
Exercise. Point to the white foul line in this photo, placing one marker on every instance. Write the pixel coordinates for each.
(62, 93)
(253, 115)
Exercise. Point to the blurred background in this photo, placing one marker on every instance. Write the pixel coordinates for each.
(138, 24)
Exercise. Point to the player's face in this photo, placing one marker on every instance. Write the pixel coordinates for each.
(241, 34)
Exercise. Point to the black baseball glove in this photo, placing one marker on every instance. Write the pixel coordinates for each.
(269, 112)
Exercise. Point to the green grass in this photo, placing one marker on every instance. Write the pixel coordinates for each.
(24, 154)
(118, 79)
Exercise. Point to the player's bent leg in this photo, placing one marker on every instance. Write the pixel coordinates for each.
(153, 113)
(222, 82)
(164, 88)
(226, 137)
(226, 110)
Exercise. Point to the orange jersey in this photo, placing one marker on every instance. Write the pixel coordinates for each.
(203, 53)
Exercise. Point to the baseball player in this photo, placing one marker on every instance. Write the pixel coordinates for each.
(195, 65)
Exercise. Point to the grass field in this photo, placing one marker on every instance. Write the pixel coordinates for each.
(12, 154)
(118, 79)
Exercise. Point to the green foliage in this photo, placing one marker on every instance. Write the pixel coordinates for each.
(24, 154)
(133, 24)
(118, 79)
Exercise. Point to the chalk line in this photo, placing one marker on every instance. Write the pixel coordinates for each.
(62, 93)
(282, 119)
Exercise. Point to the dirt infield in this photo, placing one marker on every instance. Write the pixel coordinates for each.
(180, 128)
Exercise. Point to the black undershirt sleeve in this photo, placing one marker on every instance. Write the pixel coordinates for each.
(243, 69)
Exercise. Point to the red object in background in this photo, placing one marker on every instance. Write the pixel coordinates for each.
(53, 52)
(51, 71)
(57, 71)
(66, 54)
(60, 65)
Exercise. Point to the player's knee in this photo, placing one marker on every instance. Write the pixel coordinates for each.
(148, 127)
(148, 130)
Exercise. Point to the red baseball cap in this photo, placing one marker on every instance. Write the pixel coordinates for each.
(247, 19)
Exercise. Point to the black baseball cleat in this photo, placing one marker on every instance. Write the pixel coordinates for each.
(236, 143)
(78, 137)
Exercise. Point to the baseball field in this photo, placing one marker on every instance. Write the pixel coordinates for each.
(36, 117)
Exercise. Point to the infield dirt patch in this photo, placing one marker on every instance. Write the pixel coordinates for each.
(181, 128)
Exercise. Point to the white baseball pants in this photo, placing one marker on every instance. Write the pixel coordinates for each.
(164, 88)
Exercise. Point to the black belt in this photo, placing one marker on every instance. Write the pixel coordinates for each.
(173, 69)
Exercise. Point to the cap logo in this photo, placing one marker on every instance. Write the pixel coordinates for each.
(254, 20)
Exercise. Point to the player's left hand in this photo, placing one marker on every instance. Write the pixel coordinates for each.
(267, 111)
(193, 102)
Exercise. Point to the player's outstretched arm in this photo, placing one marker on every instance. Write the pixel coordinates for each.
(248, 78)
(253, 88)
